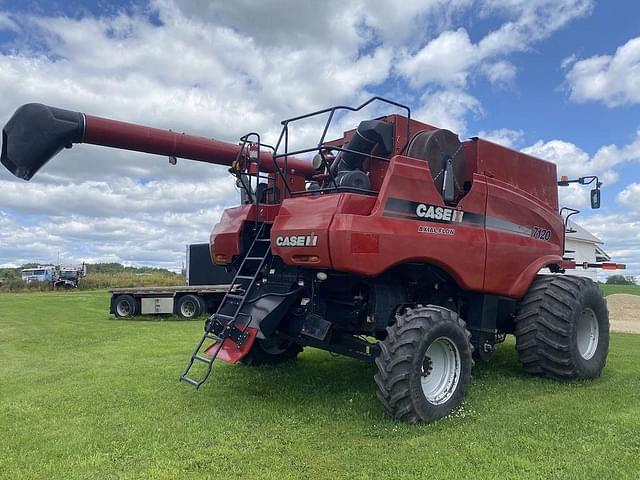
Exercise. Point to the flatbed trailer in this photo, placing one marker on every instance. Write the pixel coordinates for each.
(206, 286)
(188, 301)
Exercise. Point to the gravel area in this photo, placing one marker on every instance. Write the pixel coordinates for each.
(624, 312)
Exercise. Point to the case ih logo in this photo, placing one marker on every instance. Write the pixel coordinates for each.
(439, 213)
(297, 241)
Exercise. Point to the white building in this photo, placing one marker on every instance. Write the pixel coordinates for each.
(582, 246)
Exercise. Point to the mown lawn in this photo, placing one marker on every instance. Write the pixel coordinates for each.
(83, 395)
(611, 289)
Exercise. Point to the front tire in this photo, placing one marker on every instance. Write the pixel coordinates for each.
(562, 328)
(424, 366)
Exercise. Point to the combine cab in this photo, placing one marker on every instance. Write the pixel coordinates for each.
(398, 244)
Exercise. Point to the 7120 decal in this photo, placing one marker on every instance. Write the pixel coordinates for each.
(541, 233)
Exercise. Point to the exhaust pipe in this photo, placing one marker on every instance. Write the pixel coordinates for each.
(36, 133)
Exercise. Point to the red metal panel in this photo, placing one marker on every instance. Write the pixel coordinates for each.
(305, 216)
(514, 258)
(225, 240)
(524, 172)
(229, 351)
(313, 215)
(400, 240)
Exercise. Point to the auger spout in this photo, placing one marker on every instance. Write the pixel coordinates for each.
(36, 133)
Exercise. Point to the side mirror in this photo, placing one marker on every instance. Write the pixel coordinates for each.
(595, 198)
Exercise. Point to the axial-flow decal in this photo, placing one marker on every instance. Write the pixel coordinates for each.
(408, 210)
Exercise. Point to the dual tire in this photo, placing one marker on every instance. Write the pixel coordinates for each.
(190, 306)
(126, 306)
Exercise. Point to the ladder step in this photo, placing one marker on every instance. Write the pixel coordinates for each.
(234, 296)
(244, 277)
(263, 240)
(193, 382)
(202, 359)
(225, 316)
(215, 337)
(253, 258)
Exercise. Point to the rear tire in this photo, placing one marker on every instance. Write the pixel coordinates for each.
(424, 366)
(125, 306)
(189, 306)
(562, 328)
(271, 352)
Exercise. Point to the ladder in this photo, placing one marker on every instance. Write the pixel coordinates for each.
(229, 321)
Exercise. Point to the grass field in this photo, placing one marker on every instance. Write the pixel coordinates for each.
(83, 395)
(611, 289)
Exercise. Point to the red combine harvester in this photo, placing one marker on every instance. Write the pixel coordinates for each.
(397, 244)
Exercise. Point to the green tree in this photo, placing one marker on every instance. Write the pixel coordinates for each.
(621, 280)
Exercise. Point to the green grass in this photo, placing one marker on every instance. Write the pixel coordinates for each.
(611, 289)
(83, 395)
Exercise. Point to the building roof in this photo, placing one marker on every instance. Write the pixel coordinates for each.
(601, 255)
(581, 234)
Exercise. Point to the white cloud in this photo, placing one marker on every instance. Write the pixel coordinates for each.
(568, 61)
(621, 236)
(444, 60)
(101, 198)
(630, 197)
(451, 57)
(611, 79)
(136, 239)
(530, 21)
(6, 23)
(447, 109)
(503, 136)
(574, 162)
(500, 73)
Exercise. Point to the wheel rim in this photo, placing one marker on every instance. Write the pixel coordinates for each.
(588, 333)
(440, 371)
(187, 309)
(123, 308)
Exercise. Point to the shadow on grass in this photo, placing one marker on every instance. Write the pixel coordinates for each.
(323, 389)
(160, 317)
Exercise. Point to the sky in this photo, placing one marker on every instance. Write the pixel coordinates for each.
(559, 79)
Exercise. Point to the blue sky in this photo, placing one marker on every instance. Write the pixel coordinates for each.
(558, 79)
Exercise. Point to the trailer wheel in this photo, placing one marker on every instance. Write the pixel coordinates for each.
(271, 351)
(204, 305)
(189, 306)
(424, 366)
(125, 306)
(562, 328)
